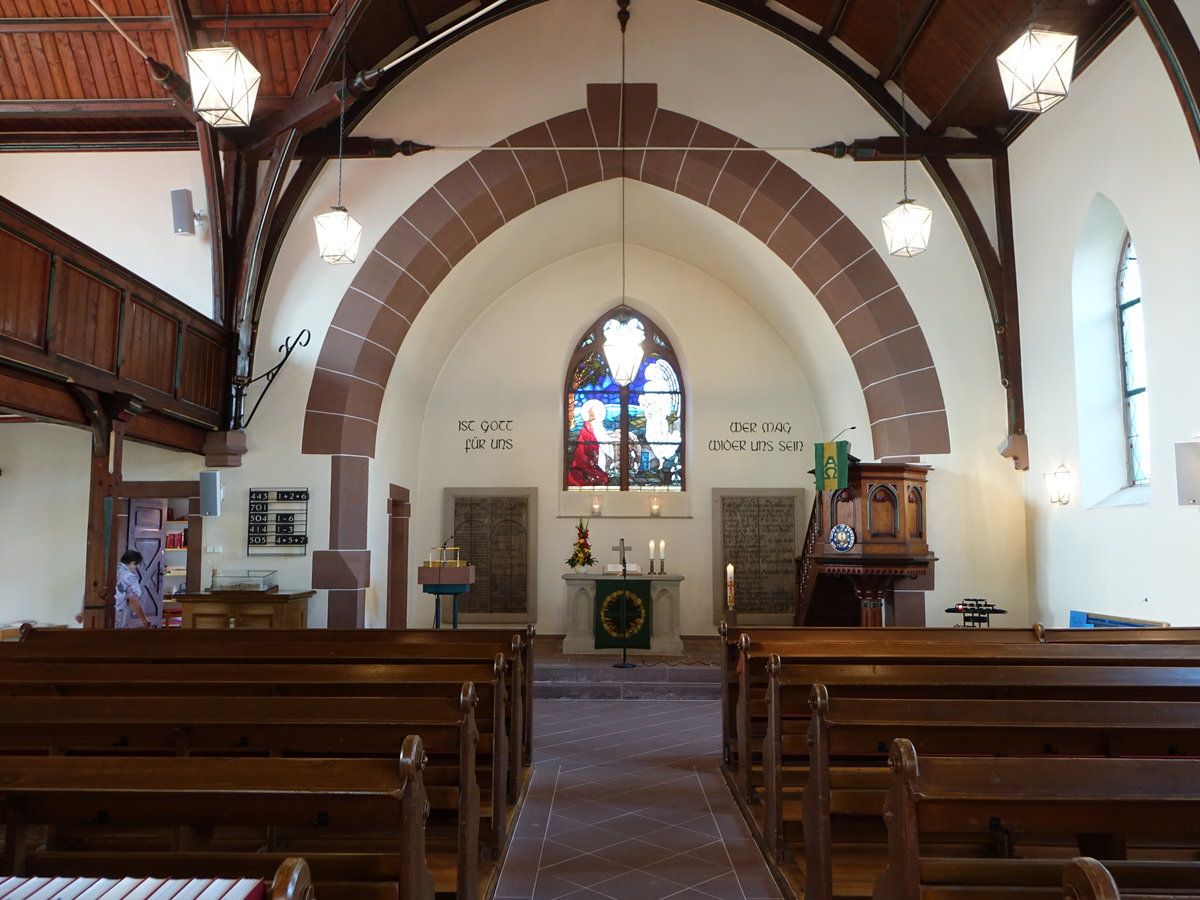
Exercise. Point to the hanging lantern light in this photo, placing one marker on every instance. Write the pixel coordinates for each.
(1036, 70)
(224, 85)
(338, 236)
(623, 338)
(906, 228)
(338, 232)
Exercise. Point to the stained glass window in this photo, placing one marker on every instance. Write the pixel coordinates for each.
(624, 437)
(1133, 365)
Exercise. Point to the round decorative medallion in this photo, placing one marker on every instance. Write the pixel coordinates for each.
(620, 623)
(842, 537)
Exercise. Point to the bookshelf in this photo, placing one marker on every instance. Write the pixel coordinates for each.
(175, 563)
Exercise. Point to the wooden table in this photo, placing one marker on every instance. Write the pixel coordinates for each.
(245, 609)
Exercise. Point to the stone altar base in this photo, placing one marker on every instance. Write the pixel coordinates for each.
(664, 614)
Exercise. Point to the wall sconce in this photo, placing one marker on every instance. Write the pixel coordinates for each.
(655, 509)
(1058, 485)
(596, 505)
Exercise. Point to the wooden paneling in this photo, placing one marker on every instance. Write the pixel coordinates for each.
(148, 348)
(86, 316)
(202, 371)
(24, 289)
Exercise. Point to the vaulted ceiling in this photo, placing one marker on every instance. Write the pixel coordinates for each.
(69, 81)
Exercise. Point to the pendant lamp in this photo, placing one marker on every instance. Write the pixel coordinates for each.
(906, 228)
(224, 82)
(1036, 70)
(623, 337)
(624, 333)
(338, 232)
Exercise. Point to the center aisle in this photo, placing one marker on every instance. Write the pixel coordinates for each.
(627, 801)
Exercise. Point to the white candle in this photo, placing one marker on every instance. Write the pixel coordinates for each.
(651, 550)
(662, 550)
(729, 585)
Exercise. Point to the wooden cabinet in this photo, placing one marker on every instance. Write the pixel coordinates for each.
(245, 609)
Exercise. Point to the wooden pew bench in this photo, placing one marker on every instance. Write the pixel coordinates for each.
(841, 765)
(229, 817)
(946, 816)
(343, 646)
(289, 726)
(784, 637)
(1084, 878)
(793, 683)
(292, 881)
(98, 678)
(750, 707)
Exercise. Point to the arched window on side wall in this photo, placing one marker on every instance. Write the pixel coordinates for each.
(1133, 365)
(623, 437)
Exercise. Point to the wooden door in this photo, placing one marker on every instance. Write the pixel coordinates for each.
(399, 512)
(147, 535)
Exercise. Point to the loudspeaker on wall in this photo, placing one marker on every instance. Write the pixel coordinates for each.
(1187, 472)
(182, 214)
(210, 493)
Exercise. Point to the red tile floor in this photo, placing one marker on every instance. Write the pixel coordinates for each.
(627, 801)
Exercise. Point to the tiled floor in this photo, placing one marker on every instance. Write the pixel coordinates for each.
(627, 801)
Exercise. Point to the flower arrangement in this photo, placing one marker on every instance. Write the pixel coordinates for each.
(581, 555)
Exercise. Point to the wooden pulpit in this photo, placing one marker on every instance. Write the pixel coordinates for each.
(861, 539)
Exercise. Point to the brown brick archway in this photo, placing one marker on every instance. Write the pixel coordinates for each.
(797, 222)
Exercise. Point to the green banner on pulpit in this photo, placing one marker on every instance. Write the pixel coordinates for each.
(622, 615)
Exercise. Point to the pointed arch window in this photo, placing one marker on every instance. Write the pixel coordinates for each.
(624, 437)
(1133, 365)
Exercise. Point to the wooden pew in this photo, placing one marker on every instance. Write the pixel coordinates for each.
(287, 726)
(291, 806)
(292, 881)
(1085, 878)
(845, 754)
(148, 678)
(500, 640)
(750, 712)
(942, 809)
(804, 636)
(340, 645)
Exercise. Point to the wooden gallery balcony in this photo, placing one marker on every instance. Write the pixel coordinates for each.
(76, 329)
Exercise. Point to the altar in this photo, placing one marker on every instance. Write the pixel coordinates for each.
(664, 620)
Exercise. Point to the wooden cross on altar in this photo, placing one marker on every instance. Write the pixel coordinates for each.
(622, 547)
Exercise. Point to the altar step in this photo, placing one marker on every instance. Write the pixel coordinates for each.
(694, 676)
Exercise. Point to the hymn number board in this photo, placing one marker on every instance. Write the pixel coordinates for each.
(278, 522)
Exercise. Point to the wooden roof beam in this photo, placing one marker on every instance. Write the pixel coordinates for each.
(985, 67)
(891, 148)
(833, 18)
(912, 30)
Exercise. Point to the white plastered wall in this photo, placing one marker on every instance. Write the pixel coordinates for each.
(533, 65)
(120, 204)
(1120, 135)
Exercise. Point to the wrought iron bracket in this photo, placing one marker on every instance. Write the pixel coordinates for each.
(240, 388)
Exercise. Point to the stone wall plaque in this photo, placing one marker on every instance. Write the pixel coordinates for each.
(760, 532)
(495, 532)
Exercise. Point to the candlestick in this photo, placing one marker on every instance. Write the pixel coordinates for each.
(729, 586)
(654, 508)
(596, 506)
(662, 557)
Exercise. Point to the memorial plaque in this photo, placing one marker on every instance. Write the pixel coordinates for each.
(759, 535)
(493, 534)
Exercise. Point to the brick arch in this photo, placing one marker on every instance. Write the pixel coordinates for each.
(798, 223)
(752, 188)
